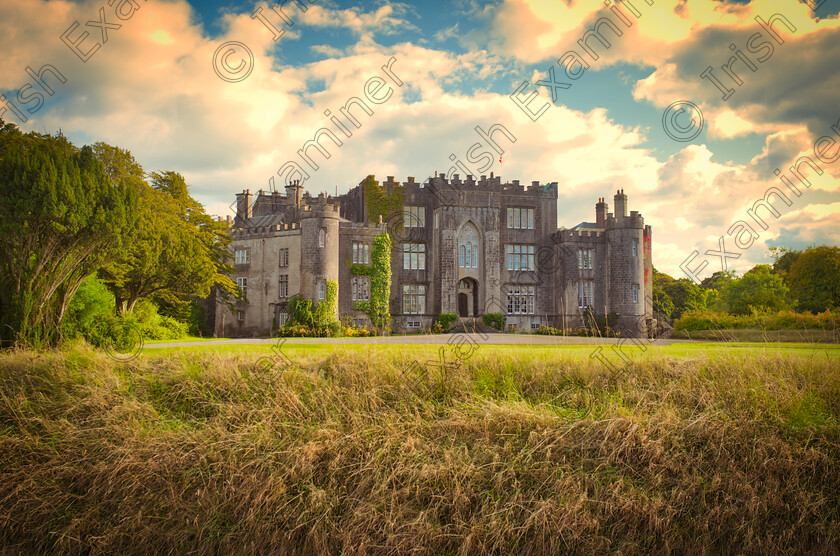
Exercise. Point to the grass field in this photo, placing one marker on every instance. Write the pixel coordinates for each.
(356, 449)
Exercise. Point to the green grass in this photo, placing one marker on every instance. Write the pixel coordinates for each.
(517, 449)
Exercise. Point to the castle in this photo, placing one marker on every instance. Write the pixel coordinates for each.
(467, 247)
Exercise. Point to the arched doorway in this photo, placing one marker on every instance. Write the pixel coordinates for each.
(467, 297)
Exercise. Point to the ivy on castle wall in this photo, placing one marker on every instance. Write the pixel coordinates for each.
(380, 282)
(381, 203)
(325, 313)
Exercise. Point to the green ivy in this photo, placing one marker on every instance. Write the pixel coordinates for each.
(379, 203)
(361, 270)
(380, 281)
(328, 307)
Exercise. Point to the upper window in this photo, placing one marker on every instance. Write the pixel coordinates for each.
(284, 257)
(414, 256)
(520, 218)
(520, 257)
(585, 258)
(635, 247)
(414, 217)
(322, 237)
(468, 255)
(361, 253)
(241, 256)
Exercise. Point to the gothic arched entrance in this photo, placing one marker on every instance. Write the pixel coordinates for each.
(467, 297)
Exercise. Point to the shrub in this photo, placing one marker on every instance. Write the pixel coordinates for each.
(445, 321)
(548, 331)
(781, 320)
(495, 320)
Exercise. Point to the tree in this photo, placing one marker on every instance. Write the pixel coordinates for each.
(757, 289)
(61, 218)
(175, 252)
(684, 294)
(814, 278)
(784, 259)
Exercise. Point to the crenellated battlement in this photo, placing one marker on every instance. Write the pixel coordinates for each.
(492, 184)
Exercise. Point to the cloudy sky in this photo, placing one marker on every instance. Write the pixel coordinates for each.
(172, 81)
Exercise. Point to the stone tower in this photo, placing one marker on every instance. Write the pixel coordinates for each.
(626, 252)
(319, 260)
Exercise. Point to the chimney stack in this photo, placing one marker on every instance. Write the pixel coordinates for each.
(620, 202)
(243, 206)
(600, 212)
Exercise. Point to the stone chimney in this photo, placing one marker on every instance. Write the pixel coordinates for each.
(600, 212)
(293, 192)
(620, 203)
(244, 201)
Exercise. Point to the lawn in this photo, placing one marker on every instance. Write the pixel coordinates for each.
(391, 450)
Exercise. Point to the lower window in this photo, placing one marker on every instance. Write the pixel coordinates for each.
(520, 300)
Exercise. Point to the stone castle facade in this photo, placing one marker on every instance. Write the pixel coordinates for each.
(460, 246)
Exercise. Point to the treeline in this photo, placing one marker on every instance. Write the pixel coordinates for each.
(90, 242)
(801, 289)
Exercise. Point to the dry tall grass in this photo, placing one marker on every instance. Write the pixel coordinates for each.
(338, 454)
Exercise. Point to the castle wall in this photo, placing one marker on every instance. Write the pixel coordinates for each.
(457, 212)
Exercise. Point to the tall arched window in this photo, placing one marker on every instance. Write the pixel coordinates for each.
(461, 251)
(322, 237)
(475, 257)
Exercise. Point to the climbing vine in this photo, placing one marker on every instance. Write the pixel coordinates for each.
(327, 308)
(380, 282)
(381, 203)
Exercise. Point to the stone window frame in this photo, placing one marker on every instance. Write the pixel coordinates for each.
(414, 216)
(246, 255)
(360, 288)
(521, 299)
(635, 289)
(520, 218)
(586, 293)
(414, 256)
(414, 299)
(283, 290)
(284, 257)
(361, 252)
(242, 283)
(516, 253)
(585, 258)
(322, 290)
(322, 237)
(468, 255)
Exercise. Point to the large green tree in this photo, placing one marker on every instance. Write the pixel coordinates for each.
(758, 289)
(61, 218)
(684, 294)
(814, 278)
(175, 252)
